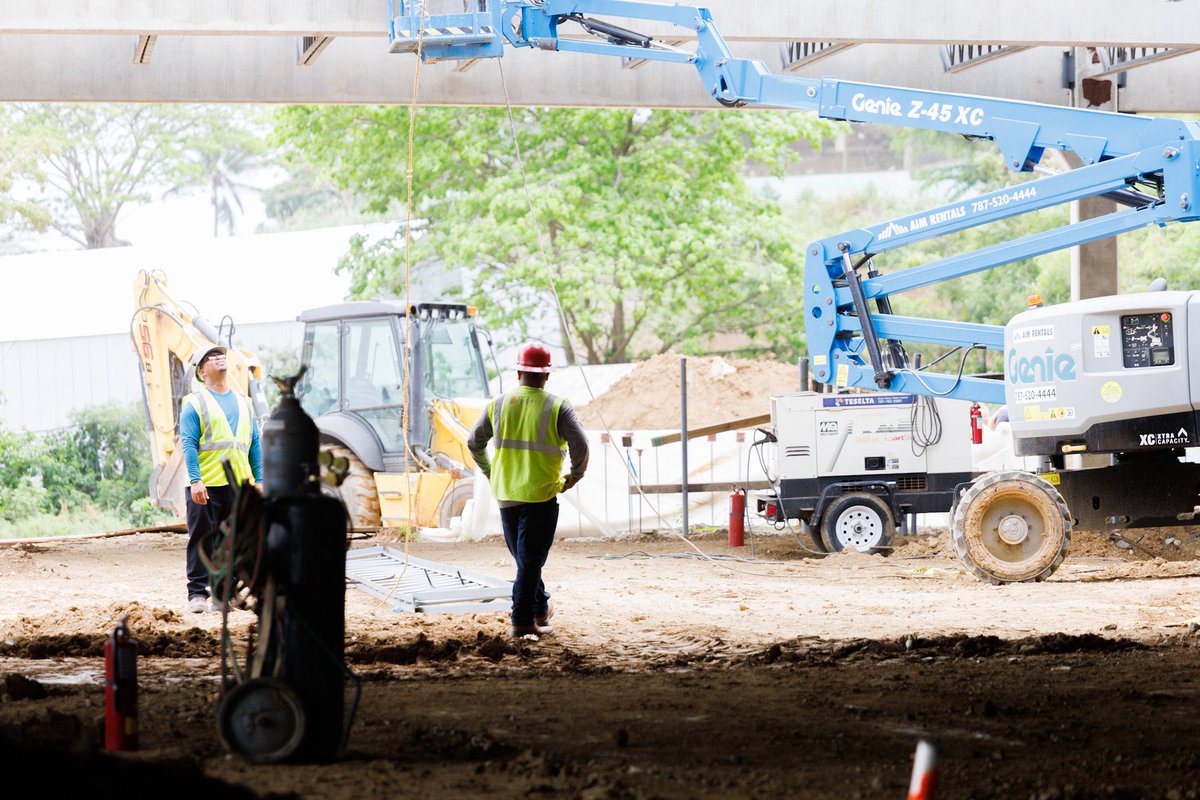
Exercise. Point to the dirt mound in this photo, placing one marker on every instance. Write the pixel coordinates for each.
(82, 632)
(719, 390)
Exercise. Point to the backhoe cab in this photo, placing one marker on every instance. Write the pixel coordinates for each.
(402, 430)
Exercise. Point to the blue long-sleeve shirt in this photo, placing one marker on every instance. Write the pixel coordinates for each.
(189, 433)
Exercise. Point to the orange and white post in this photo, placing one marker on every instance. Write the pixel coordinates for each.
(923, 785)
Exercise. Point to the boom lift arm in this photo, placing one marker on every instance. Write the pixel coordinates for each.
(1152, 166)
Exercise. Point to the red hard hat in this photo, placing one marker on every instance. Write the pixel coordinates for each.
(533, 358)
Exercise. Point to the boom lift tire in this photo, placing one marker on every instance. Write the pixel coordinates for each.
(1011, 526)
(455, 501)
(859, 520)
(358, 490)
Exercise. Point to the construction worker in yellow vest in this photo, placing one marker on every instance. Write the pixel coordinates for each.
(216, 425)
(532, 429)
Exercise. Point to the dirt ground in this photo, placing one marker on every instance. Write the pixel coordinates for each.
(762, 673)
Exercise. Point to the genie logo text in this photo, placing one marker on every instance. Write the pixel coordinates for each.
(1044, 368)
(932, 110)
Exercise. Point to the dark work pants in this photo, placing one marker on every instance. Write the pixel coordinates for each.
(201, 519)
(529, 533)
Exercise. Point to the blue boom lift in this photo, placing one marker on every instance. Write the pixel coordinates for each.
(1104, 392)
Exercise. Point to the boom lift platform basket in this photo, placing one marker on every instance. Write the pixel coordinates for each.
(470, 34)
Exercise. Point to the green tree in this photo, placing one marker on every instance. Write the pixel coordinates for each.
(14, 161)
(651, 237)
(224, 159)
(86, 163)
(20, 495)
(308, 199)
(103, 457)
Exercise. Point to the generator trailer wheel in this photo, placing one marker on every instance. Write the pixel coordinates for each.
(860, 521)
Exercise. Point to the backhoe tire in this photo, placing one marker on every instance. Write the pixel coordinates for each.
(455, 501)
(357, 491)
(860, 521)
(1011, 526)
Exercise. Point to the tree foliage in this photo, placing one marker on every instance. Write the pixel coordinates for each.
(84, 164)
(20, 495)
(101, 459)
(222, 159)
(642, 225)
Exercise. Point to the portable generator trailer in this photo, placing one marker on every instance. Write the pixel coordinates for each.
(849, 468)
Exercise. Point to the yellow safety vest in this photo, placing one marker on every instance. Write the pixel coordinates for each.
(527, 467)
(218, 443)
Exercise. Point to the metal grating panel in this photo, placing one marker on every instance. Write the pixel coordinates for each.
(423, 586)
(915, 483)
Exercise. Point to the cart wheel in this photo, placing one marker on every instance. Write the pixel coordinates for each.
(1011, 526)
(261, 720)
(859, 520)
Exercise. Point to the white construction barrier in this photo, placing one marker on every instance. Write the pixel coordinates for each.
(605, 503)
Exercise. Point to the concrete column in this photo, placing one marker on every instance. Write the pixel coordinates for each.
(1094, 266)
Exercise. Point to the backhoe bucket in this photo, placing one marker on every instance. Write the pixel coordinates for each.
(446, 29)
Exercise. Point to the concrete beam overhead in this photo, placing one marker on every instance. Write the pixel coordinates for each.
(1108, 23)
(236, 51)
(359, 70)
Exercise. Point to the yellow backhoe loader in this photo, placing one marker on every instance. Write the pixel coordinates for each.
(405, 440)
(403, 469)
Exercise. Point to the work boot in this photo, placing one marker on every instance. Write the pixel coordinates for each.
(521, 631)
(197, 604)
(543, 620)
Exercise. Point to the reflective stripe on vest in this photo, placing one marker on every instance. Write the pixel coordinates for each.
(218, 443)
(527, 467)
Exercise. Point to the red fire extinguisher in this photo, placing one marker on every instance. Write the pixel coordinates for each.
(120, 690)
(737, 517)
(976, 426)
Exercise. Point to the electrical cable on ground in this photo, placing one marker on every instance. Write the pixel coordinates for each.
(642, 554)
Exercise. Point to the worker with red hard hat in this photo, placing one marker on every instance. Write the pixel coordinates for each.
(533, 430)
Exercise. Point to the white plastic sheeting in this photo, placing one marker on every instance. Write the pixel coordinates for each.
(604, 502)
